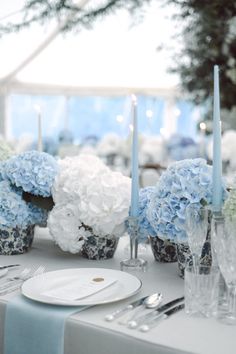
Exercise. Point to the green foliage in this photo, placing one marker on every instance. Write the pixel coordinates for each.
(68, 14)
(209, 38)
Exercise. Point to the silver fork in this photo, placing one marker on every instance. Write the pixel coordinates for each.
(21, 276)
(16, 284)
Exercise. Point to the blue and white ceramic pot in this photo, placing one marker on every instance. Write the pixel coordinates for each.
(16, 240)
(96, 247)
(163, 250)
(184, 255)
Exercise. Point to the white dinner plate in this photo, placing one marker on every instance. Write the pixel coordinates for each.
(125, 286)
(3, 272)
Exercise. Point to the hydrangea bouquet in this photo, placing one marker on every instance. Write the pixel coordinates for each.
(184, 182)
(145, 228)
(89, 199)
(33, 171)
(15, 212)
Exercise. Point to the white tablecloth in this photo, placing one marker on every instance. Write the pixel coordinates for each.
(87, 332)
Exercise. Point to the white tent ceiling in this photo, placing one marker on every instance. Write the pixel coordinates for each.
(113, 57)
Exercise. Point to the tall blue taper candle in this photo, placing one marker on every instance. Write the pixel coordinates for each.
(134, 209)
(217, 160)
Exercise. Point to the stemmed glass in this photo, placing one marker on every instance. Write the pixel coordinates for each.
(225, 247)
(196, 227)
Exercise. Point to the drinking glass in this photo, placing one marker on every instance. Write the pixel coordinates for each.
(225, 247)
(196, 226)
(201, 290)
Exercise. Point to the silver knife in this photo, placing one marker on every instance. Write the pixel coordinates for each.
(161, 316)
(9, 266)
(120, 312)
(151, 315)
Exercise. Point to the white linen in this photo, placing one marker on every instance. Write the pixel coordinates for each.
(88, 332)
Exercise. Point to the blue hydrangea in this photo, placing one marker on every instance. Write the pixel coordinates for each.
(37, 216)
(184, 182)
(33, 171)
(13, 210)
(145, 228)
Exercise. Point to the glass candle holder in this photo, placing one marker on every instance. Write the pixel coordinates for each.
(134, 263)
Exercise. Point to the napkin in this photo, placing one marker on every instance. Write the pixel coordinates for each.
(80, 288)
(35, 328)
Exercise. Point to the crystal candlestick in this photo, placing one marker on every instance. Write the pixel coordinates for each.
(133, 263)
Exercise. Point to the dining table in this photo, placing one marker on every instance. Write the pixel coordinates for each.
(88, 332)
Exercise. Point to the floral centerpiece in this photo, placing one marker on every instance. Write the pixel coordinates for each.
(184, 183)
(163, 250)
(31, 172)
(17, 220)
(92, 203)
(145, 228)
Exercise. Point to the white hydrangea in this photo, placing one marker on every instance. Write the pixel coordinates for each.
(89, 199)
(104, 204)
(73, 175)
(63, 224)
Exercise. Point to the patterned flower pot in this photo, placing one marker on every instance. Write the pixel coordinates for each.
(163, 250)
(16, 240)
(96, 247)
(184, 255)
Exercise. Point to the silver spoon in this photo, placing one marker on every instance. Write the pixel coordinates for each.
(151, 302)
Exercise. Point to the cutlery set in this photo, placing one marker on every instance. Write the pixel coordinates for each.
(142, 314)
(14, 283)
(144, 322)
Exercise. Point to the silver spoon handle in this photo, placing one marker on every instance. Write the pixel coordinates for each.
(153, 323)
(135, 322)
(116, 314)
(135, 313)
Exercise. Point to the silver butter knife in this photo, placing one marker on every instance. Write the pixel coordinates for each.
(120, 312)
(9, 266)
(161, 316)
(134, 323)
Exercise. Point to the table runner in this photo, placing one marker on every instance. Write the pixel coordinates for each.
(35, 328)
